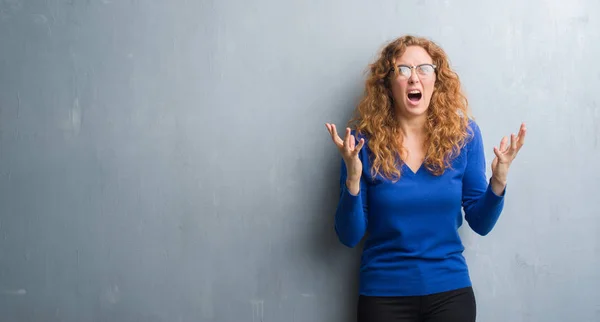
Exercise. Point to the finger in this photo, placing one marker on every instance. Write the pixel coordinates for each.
(522, 134)
(361, 143)
(336, 138)
(522, 129)
(513, 143)
(347, 138)
(352, 142)
(503, 145)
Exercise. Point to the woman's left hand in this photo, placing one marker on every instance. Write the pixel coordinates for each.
(505, 154)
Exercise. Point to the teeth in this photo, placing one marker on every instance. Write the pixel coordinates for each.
(415, 91)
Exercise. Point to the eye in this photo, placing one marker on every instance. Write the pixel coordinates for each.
(425, 69)
(404, 70)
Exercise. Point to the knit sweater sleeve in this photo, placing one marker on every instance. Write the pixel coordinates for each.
(481, 205)
(351, 213)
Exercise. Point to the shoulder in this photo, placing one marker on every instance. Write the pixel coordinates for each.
(473, 132)
(474, 140)
(473, 128)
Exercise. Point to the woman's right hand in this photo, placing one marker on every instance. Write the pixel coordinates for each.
(349, 151)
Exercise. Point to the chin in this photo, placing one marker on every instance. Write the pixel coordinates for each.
(411, 109)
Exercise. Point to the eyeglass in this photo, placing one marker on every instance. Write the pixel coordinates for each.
(423, 70)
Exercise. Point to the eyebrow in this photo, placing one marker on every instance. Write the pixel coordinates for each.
(414, 65)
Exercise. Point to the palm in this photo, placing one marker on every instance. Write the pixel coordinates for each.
(348, 149)
(506, 153)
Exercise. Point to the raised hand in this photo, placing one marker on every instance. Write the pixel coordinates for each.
(349, 151)
(505, 154)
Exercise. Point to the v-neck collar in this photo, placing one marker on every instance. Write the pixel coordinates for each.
(414, 173)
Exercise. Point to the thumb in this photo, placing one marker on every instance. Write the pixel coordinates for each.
(497, 153)
(359, 146)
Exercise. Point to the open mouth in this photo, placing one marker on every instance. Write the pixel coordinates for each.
(414, 96)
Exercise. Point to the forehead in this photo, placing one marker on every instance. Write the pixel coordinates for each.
(414, 55)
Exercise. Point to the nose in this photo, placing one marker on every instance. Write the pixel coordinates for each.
(413, 79)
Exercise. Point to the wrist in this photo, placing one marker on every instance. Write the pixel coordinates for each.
(353, 186)
(498, 181)
(498, 185)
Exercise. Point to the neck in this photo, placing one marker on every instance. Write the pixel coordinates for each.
(412, 127)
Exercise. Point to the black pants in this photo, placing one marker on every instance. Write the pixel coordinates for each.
(452, 306)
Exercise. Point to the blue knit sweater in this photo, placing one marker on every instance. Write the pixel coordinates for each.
(412, 245)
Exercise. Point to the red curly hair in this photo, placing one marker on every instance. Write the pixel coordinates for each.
(447, 115)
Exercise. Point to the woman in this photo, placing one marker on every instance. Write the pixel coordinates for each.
(413, 160)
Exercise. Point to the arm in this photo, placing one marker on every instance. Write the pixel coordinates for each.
(351, 212)
(481, 204)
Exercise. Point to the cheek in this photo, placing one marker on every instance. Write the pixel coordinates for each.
(429, 87)
(398, 87)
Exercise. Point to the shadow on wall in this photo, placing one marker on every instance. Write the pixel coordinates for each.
(339, 265)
